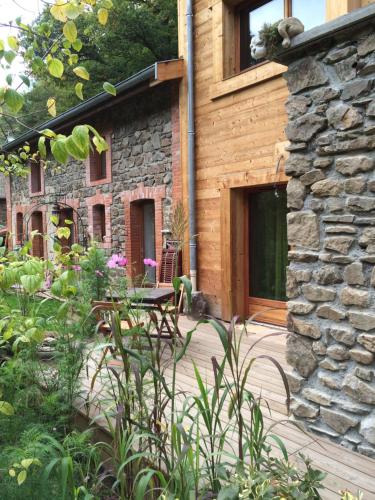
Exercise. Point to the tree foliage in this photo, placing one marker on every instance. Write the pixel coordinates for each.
(99, 46)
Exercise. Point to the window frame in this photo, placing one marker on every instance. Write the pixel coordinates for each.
(107, 179)
(38, 164)
(95, 214)
(19, 225)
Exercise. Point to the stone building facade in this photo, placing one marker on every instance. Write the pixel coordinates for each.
(141, 166)
(331, 228)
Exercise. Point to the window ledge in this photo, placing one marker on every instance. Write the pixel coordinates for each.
(39, 193)
(99, 182)
(251, 77)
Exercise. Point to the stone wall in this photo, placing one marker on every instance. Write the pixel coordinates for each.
(331, 232)
(143, 131)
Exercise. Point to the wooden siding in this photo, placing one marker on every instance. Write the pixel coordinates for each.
(240, 141)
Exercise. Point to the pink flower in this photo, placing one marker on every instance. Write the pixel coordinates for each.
(122, 262)
(99, 273)
(76, 268)
(117, 260)
(48, 282)
(150, 262)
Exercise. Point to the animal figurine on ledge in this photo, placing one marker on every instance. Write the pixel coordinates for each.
(267, 42)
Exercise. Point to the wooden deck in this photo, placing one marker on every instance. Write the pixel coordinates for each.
(345, 469)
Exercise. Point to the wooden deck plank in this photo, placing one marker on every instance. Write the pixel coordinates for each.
(344, 468)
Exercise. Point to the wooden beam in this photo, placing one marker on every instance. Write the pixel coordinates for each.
(226, 254)
(168, 70)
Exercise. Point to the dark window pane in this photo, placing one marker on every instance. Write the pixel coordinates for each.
(268, 244)
(310, 13)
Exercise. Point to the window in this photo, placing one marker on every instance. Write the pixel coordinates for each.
(36, 178)
(268, 246)
(66, 220)
(98, 170)
(98, 223)
(98, 166)
(3, 212)
(19, 227)
(38, 241)
(251, 16)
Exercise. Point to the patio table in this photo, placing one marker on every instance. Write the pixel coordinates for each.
(157, 298)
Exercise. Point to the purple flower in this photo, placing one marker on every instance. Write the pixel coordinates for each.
(117, 260)
(150, 262)
(77, 268)
(48, 282)
(99, 273)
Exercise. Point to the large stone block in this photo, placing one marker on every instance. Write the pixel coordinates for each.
(359, 390)
(343, 335)
(298, 164)
(316, 293)
(338, 352)
(361, 203)
(361, 356)
(304, 74)
(296, 193)
(340, 244)
(317, 396)
(339, 421)
(301, 308)
(327, 275)
(304, 128)
(352, 165)
(300, 355)
(367, 428)
(327, 187)
(297, 105)
(366, 45)
(342, 117)
(301, 408)
(367, 340)
(329, 312)
(306, 329)
(303, 230)
(353, 297)
(353, 274)
(362, 320)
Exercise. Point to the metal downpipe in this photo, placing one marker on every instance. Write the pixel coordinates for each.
(191, 145)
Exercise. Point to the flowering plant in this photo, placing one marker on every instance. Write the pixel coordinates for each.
(117, 260)
(150, 262)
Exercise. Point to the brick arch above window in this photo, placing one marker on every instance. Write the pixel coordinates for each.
(105, 200)
(142, 192)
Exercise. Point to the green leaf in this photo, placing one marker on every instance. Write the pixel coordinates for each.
(70, 31)
(63, 232)
(54, 219)
(103, 16)
(77, 45)
(72, 11)
(13, 43)
(100, 144)
(228, 493)
(9, 79)
(31, 283)
(56, 68)
(6, 408)
(42, 146)
(21, 478)
(74, 150)
(59, 150)
(81, 137)
(48, 133)
(81, 72)
(58, 12)
(108, 87)
(25, 80)
(12, 473)
(107, 4)
(78, 89)
(9, 56)
(14, 100)
(51, 106)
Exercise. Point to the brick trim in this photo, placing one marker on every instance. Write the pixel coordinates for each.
(108, 159)
(106, 200)
(176, 148)
(142, 192)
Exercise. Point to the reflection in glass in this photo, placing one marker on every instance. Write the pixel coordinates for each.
(310, 13)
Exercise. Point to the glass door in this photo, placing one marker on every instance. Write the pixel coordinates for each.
(268, 252)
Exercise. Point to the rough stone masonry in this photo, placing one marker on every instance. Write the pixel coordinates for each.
(331, 233)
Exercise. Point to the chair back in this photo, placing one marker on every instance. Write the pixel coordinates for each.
(169, 266)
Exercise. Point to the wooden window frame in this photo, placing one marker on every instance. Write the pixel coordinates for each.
(33, 193)
(42, 212)
(99, 210)
(225, 79)
(19, 234)
(107, 179)
(106, 200)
